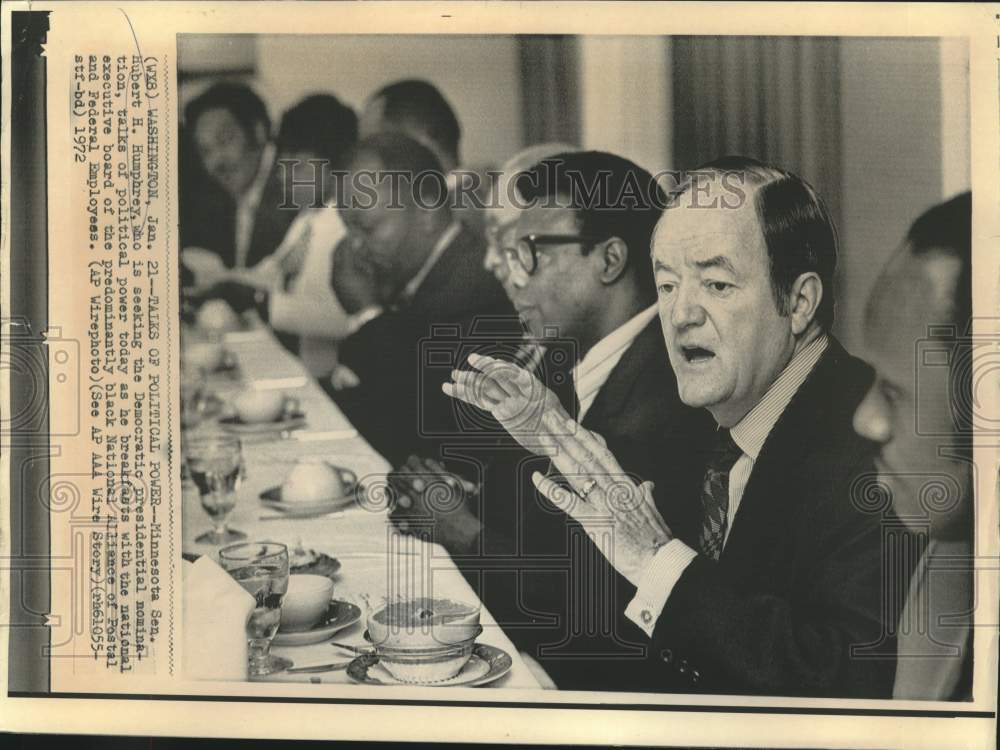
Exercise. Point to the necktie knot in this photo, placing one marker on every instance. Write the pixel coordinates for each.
(725, 451)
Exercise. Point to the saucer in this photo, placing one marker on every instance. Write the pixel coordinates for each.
(288, 422)
(338, 616)
(272, 499)
(488, 663)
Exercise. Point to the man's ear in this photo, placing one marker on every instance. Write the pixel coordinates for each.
(614, 258)
(804, 300)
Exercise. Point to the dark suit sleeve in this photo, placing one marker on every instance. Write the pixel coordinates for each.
(828, 639)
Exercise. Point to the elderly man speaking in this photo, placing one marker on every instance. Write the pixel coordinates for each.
(760, 568)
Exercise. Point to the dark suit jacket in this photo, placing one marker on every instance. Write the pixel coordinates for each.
(539, 573)
(805, 596)
(403, 356)
(208, 218)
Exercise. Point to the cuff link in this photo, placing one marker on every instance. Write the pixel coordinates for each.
(647, 616)
(587, 488)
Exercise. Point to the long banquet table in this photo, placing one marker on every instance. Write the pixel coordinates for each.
(377, 562)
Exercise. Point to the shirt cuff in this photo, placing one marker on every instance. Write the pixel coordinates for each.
(656, 583)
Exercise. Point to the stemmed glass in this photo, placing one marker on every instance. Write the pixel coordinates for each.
(215, 463)
(261, 568)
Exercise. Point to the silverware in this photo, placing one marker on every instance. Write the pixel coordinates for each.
(300, 516)
(353, 649)
(318, 668)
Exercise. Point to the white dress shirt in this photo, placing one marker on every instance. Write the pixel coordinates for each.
(591, 372)
(246, 206)
(750, 434)
(308, 306)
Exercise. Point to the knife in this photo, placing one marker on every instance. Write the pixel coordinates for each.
(318, 668)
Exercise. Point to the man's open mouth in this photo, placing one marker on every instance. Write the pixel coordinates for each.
(696, 354)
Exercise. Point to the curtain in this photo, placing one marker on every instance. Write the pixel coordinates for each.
(776, 99)
(550, 89)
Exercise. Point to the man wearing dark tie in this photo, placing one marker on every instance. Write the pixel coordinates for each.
(575, 270)
(757, 568)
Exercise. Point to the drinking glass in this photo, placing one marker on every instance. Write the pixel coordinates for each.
(215, 463)
(261, 568)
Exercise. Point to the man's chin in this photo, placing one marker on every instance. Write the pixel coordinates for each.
(696, 395)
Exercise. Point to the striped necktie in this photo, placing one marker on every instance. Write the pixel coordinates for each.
(715, 494)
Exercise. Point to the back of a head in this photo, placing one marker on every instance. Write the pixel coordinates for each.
(798, 232)
(322, 125)
(417, 107)
(612, 197)
(417, 170)
(240, 101)
(947, 228)
(505, 196)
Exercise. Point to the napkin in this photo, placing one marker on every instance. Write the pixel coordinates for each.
(216, 609)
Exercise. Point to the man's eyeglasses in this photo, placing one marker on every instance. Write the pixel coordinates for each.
(524, 255)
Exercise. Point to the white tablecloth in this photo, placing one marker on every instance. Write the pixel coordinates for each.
(377, 562)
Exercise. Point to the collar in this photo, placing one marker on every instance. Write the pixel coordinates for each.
(591, 372)
(751, 431)
(251, 198)
(444, 240)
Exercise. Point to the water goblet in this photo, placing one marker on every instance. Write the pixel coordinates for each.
(215, 464)
(261, 568)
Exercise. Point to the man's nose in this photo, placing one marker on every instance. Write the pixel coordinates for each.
(686, 310)
(495, 263)
(871, 420)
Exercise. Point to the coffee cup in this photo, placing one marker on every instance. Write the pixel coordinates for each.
(217, 317)
(307, 598)
(312, 480)
(256, 406)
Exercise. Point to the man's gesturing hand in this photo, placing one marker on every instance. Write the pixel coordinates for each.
(604, 495)
(529, 411)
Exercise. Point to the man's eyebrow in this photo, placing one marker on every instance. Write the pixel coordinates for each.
(659, 265)
(716, 261)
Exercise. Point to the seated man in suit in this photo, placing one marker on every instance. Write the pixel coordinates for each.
(231, 132)
(922, 305)
(575, 269)
(429, 277)
(756, 569)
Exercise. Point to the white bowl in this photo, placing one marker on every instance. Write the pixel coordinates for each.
(425, 667)
(307, 598)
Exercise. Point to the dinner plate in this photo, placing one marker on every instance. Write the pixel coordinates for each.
(272, 499)
(289, 422)
(488, 663)
(338, 616)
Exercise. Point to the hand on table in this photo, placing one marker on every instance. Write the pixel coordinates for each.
(427, 493)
